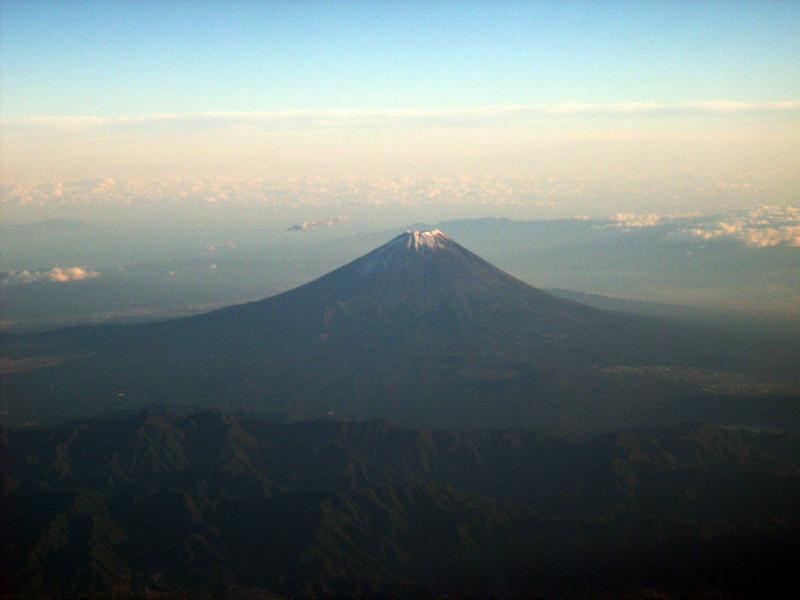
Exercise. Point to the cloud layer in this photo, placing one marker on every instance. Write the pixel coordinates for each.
(614, 141)
(763, 227)
(309, 203)
(458, 116)
(295, 192)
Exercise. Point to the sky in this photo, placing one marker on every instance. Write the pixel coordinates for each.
(668, 106)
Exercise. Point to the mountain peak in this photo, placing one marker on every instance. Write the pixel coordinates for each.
(407, 248)
(416, 240)
(434, 238)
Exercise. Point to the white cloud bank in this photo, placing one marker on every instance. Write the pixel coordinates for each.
(762, 227)
(54, 275)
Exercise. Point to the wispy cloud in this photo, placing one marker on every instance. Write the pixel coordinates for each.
(322, 118)
(227, 245)
(311, 225)
(54, 275)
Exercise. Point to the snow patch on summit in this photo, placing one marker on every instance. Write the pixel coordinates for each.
(435, 238)
(405, 249)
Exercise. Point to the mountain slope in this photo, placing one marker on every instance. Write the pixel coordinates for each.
(416, 279)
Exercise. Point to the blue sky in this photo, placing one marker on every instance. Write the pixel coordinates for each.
(135, 59)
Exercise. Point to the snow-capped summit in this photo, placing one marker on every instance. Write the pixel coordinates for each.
(412, 247)
(435, 238)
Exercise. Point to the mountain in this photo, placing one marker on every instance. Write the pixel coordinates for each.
(211, 504)
(420, 331)
(419, 287)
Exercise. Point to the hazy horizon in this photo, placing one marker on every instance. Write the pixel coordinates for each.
(385, 112)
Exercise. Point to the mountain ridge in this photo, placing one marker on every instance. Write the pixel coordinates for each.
(164, 504)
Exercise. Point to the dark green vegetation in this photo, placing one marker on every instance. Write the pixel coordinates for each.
(421, 332)
(208, 504)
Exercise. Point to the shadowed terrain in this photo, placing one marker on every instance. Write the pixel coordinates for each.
(212, 503)
(422, 332)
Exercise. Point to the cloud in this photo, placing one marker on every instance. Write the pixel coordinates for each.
(762, 227)
(311, 192)
(54, 275)
(327, 118)
(764, 238)
(430, 197)
(229, 245)
(634, 221)
(309, 225)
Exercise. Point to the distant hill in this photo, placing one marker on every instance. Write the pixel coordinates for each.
(420, 331)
